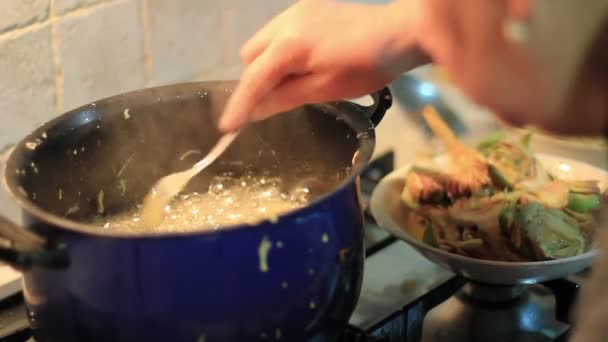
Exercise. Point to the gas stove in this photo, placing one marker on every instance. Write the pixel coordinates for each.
(405, 297)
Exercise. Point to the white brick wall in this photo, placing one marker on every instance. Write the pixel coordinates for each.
(19, 13)
(244, 17)
(56, 55)
(185, 47)
(64, 6)
(27, 81)
(100, 52)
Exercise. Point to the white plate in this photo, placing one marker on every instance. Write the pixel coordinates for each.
(392, 215)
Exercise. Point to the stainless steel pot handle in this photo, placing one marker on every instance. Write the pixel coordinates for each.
(23, 249)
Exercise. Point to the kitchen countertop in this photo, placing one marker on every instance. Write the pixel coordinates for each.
(393, 278)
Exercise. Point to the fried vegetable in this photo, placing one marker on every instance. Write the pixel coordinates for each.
(536, 180)
(482, 213)
(587, 224)
(422, 188)
(468, 167)
(584, 186)
(429, 237)
(555, 194)
(545, 233)
(439, 220)
(498, 202)
(470, 245)
(491, 140)
(410, 195)
(506, 219)
(526, 140)
(583, 203)
(581, 217)
(509, 163)
(486, 192)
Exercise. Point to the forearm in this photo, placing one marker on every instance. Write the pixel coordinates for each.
(404, 16)
(566, 40)
(547, 77)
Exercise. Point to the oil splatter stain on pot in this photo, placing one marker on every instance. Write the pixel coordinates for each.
(263, 251)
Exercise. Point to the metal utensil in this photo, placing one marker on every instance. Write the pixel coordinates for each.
(167, 187)
(414, 94)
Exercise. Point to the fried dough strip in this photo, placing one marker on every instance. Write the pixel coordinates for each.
(468, 167)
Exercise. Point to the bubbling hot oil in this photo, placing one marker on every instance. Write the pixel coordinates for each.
(230, 200)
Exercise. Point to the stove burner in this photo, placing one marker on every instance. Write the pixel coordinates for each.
(480, 312)
(460, 310)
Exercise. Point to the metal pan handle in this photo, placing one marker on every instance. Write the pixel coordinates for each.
(383, 100)
(23, 249)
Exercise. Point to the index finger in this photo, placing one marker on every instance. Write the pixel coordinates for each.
(267, 71)
(261, 39)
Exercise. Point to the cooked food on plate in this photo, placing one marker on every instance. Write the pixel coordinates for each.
(496, 201)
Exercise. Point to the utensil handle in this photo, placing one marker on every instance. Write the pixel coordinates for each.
(222, 144)
(23, 249)
(383, 100)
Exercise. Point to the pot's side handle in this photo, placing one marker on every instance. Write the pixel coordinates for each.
(23, 249)
(383, 100)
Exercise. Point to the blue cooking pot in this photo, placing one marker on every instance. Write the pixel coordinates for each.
(295, 278)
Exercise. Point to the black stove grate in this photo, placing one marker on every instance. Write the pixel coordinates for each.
(405, 325)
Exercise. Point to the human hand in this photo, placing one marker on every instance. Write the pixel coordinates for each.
(552, 79)
(321, 50)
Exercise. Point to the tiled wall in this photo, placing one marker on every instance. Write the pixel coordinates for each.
(56, 55)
